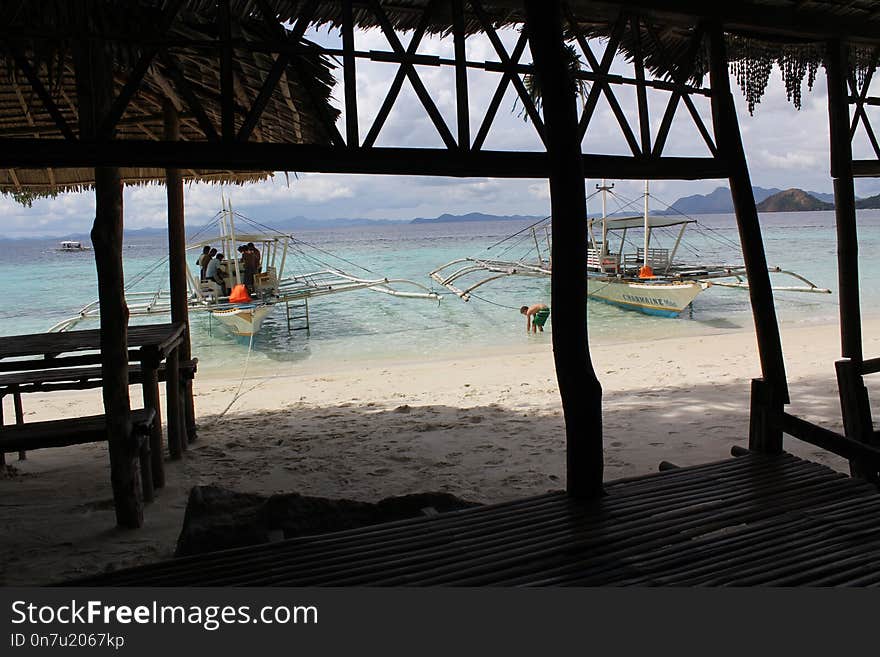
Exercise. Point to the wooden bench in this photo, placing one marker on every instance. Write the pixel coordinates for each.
(84, 378)
(79, 431)
(79, 378)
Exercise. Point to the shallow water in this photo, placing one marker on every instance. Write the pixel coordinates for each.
(45, 286)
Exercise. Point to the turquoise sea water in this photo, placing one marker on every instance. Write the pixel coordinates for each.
(44, 286)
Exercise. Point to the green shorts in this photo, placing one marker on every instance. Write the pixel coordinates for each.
(540, 317)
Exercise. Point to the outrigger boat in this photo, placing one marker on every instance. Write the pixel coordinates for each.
(244, 311)
(647, 280)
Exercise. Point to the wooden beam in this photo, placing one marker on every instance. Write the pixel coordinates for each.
(757, 18)
(188, 95)
(411, 73)
(855, 410)
(278, 68)
(349, 76)
(579, 388)
(305, 79)
(836, 58)
(517, 82)
(133, 83)
(641, 91)
(177, 279)
(729, 141)
(860, 106)
(41, 91)
(94, 87)
(602, 85)
(500, 90)
(396, 84)
(37, 153)
(866, 168)
(227, 105)
(681, 77)
(461, 78)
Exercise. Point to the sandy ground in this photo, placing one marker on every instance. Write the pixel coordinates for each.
(486, 427)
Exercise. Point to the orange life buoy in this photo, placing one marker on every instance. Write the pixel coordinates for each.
(239, 294)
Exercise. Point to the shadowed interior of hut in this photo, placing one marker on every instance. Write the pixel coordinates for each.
(102, 95)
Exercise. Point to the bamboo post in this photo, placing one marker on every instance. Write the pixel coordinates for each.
(579, 388)
(836, 62)
(178, 270)
(94, 88)
(730, 148)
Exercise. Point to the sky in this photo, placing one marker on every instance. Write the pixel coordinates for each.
(785, 148)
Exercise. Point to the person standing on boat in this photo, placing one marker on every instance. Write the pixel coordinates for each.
(536, 316)
(258, 258)
(249, 262)
(207, 254)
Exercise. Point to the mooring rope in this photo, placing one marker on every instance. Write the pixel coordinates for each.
(238, 393)
(494, 303)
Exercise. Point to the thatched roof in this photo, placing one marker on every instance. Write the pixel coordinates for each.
(789, 33)
(760, 33)
(291, 114)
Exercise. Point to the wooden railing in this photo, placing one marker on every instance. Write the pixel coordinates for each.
(859, 443)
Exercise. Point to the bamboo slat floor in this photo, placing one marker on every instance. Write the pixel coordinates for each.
(752, 520)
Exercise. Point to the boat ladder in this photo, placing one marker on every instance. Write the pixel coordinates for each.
(300, 314)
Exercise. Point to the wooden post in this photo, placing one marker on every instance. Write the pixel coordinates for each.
(150, 387)
(177, 270)
(176, 431)
(578, 386)
(19, 419)
(836, 64)
(730, 148)
(94, 87)
(2, 453)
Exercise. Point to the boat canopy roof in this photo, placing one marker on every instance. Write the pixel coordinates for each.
(243, 238)
(619, 223)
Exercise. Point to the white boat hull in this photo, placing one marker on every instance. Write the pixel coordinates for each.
(243, 319)
(661, 298)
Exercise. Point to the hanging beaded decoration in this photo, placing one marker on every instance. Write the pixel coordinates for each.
(752, 61)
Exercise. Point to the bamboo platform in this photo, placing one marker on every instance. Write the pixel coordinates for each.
(752, 520)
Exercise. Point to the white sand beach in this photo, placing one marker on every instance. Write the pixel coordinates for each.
(485, 427)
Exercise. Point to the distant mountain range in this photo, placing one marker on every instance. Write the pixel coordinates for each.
(720, 201)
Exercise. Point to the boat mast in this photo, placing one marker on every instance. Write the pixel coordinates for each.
(232, 250)
(647, 226)
(223, 223)
(604, 189)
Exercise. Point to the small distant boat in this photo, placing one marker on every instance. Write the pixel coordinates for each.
(72, 245)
